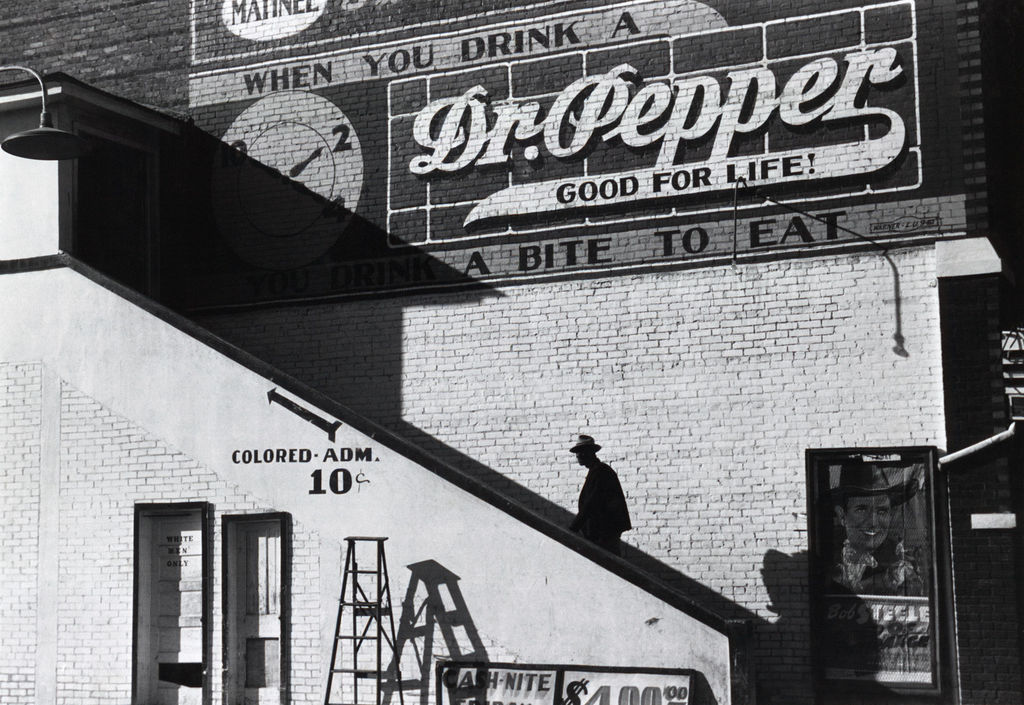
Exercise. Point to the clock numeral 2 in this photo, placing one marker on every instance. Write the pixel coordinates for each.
(343, 131)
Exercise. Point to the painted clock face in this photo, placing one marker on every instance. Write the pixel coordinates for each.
(290, 180)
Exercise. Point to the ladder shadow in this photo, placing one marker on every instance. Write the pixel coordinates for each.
(433, 604)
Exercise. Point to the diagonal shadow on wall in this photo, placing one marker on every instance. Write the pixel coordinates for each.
(311, 334)
(306, 329)
(694, 590)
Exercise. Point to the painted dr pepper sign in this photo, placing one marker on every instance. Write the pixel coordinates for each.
(665, 118)
(661, 124)
(618, 135)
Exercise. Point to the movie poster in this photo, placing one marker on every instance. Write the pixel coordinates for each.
(874, 567)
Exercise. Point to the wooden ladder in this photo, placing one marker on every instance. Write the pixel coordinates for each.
(367, 601)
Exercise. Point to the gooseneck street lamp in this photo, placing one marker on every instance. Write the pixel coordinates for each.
(45, 141)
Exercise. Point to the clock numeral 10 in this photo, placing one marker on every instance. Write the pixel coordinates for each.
(234, 154)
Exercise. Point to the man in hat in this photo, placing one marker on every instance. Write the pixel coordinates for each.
(602, 513)
(871, 561)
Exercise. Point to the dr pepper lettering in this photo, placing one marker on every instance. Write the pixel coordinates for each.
(455, 132)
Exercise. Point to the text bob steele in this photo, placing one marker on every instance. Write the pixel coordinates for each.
(455, 131)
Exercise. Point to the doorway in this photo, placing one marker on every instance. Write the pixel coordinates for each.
(256, 581)
(171, 572)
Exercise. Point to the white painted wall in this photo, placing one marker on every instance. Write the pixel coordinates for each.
(28, 207)
(533, 600)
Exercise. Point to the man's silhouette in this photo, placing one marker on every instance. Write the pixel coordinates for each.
(602, 513)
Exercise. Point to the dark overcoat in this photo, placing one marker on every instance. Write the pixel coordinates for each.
(602, 508)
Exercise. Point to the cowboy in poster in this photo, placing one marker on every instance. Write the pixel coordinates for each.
(874, 558)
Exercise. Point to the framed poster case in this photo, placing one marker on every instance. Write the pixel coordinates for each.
(879, 571)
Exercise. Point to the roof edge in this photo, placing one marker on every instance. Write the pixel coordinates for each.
(61, 86)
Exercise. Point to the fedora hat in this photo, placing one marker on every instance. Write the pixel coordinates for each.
(858, 479)
(584, 443)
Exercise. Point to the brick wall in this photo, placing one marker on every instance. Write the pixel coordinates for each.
(109, 465)
(137, 49)
(704, 386)
(19, 505)
(985, 563)
(972, 114)
(1000, 24)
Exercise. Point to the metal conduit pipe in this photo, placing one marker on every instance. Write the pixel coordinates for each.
(980, 445)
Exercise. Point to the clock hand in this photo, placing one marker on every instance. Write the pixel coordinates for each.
(300, 167)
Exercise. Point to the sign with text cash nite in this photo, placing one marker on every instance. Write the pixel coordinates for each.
(519, 684)
(502, 147)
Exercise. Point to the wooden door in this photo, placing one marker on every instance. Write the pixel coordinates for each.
(169, 608)
(254, 611)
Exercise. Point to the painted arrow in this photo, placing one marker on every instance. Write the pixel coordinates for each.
(328, 426)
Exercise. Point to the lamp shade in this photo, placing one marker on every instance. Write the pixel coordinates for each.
(45, 143)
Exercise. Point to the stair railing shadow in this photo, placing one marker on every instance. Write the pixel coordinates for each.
(693, 590)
